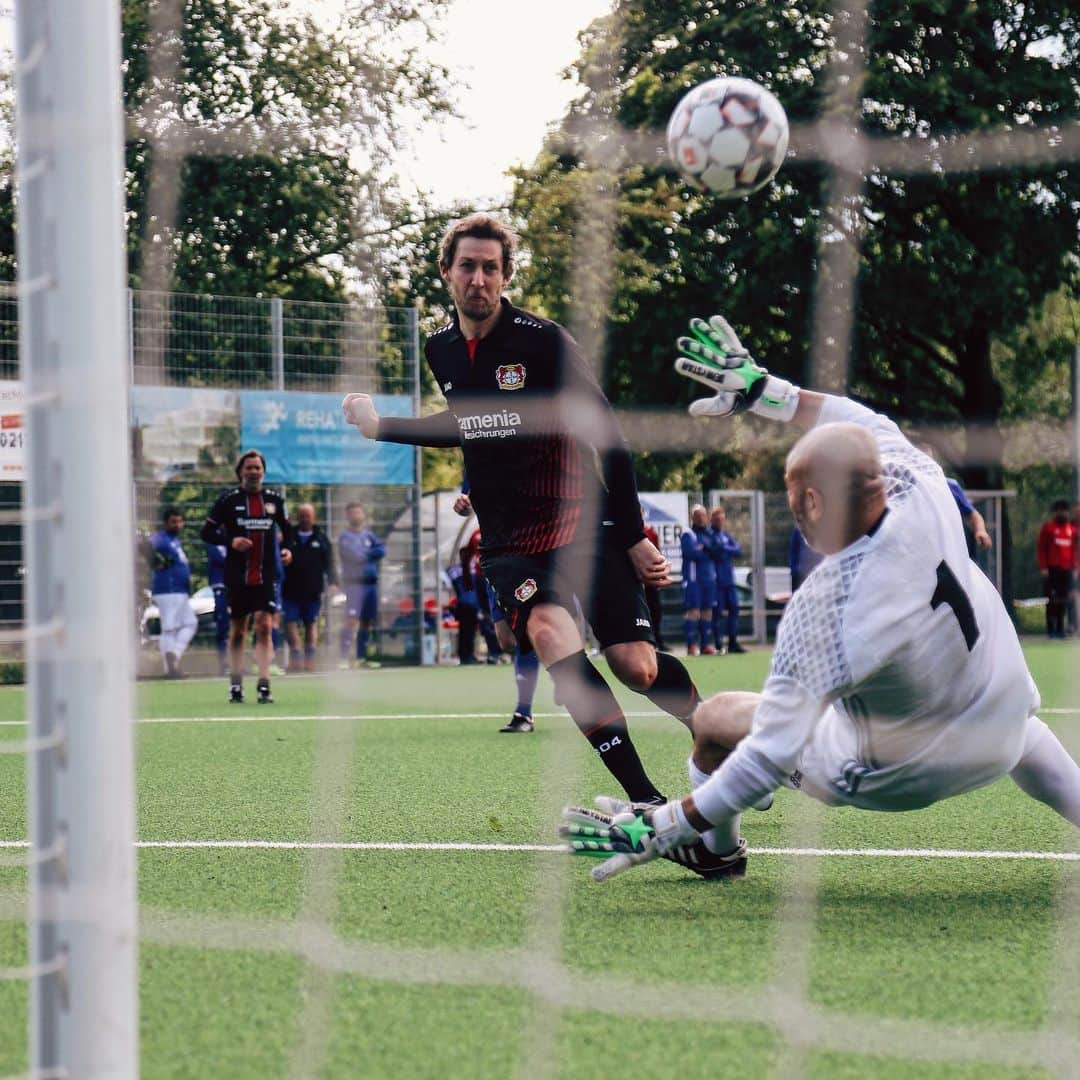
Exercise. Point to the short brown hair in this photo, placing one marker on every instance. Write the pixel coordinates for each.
(480, 227)
(249, 454)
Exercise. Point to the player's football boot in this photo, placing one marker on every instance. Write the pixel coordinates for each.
(518, 724)
(708, 650)
(708, 864)
(236, 695)
(692, 650)
(735, 647)
(264, 697)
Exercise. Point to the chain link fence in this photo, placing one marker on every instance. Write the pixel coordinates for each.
(183, 339)
(186, 459)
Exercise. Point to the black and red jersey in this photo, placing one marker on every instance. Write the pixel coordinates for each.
(546, 461)
(253, 515)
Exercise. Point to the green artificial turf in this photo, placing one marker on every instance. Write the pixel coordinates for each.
(495, 963)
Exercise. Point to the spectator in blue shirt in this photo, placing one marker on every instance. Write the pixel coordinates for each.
(699, 583)
(802, 558)
(215, 575)
(972, 518)
(170, 585)
(725, 548)
(359, 552)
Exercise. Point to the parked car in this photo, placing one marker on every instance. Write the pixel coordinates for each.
(777, 594)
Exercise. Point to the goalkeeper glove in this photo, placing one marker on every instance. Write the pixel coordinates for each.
(625, 834)
(713, 355)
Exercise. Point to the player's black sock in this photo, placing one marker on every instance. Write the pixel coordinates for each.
(236, 679)
(673, 691)
(592, 705)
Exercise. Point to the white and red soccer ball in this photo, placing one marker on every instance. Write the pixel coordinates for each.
(728, 136)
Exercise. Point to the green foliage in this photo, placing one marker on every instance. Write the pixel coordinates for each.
(948, 262)
(12, 672)
(1035, 365)
(286, 181)
(294, 217)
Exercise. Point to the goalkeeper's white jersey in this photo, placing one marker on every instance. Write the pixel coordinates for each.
(905, 649)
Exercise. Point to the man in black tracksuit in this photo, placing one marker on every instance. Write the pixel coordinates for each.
(552, 484)
(306, 579)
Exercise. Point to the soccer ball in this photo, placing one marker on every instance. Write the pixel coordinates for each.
(728, 136)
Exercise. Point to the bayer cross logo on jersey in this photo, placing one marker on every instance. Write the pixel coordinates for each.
(510, 376)
(526, 589)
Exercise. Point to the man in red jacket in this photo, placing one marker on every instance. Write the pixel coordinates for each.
(1057, 555)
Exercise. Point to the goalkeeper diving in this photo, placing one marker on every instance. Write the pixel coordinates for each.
(897, 679)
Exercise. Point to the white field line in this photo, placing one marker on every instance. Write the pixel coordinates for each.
(395, 845)
(251, 718)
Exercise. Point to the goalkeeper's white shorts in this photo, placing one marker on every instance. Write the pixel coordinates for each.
(971, 753)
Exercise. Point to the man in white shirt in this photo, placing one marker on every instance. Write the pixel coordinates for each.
(897, 679)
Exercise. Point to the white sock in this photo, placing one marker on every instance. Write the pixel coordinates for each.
(724, 837)
(1047, 772)
(697, 776)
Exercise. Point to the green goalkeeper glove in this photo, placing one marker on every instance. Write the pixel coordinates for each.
(713, 355)
(624, 834)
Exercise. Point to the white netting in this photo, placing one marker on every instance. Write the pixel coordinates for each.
(810, 648)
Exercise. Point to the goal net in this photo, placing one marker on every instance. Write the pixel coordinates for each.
(354, 879)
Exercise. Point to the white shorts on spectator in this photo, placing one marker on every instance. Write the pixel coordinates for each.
(178, 626)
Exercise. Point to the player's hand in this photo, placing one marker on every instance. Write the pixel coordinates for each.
(649, 564)
(622, 840)
(982, 539)
(714, 356)
(623, 834)
(286, 556)
(241, 543)
(359, 410)
(463, 506)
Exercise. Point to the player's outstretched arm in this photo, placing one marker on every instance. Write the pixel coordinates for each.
(438, 429)
(713, 355)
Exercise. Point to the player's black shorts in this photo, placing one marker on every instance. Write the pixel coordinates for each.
(245, 599)
(601, 577)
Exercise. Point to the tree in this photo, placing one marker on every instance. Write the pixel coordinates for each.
(291, 134)
(289, 129)
(948, 261)
(1035, 365)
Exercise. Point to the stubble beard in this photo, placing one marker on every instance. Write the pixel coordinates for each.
(477, 307)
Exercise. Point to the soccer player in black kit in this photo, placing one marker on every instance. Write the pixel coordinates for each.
(552, 484)
(244, 519)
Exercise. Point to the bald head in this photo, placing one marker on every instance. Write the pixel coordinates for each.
(835, 488)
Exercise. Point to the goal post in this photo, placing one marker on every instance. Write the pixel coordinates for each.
(79, 539)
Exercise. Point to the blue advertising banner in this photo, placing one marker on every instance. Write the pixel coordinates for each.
(305, 439)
